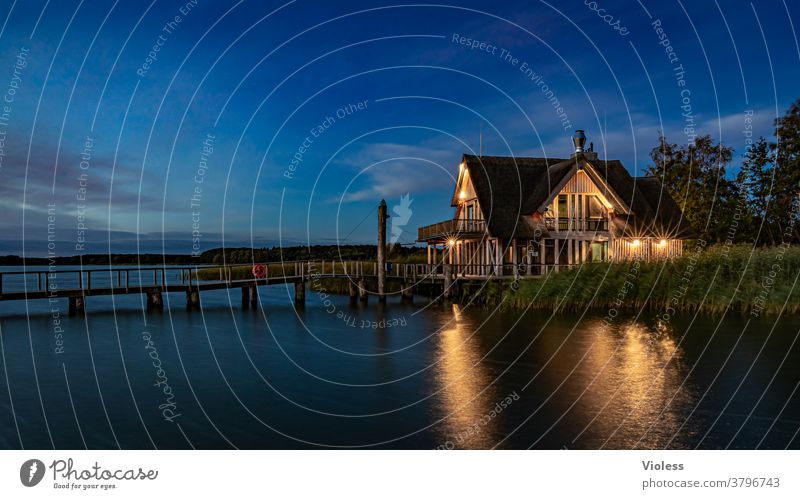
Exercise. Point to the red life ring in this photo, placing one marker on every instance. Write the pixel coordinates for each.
(260, 270)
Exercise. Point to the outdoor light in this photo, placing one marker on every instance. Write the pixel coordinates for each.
(462, 195)
(451, 242)
(635, 242)
(663, 242)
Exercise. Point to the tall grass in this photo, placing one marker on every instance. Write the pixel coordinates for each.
(710, 280)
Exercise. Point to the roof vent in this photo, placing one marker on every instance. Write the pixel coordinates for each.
(579, 139)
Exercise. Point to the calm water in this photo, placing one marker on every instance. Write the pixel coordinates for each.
(436, 376)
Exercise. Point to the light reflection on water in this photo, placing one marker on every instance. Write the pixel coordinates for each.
(637, 391)
(464, 381)
(438, 378)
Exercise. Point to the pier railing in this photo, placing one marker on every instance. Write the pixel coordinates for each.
(122, 279)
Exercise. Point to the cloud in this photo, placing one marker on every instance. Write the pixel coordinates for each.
(389, 170)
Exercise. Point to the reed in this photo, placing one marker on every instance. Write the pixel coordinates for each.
(711, 280)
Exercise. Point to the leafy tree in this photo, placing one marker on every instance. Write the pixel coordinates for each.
(756, 179)
(694, 175)
(787, 173)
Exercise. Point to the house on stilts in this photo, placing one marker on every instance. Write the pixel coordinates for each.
(533, 215)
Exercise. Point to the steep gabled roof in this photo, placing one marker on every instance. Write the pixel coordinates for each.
(511, 189)
(504, 185)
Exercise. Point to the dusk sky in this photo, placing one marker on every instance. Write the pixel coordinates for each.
(373, 100)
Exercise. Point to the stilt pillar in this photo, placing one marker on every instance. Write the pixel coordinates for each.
(192, 298)
(76, 305)
(352, 291)
(155, 301)
(448, 282)
(407, 293)
(362, 291)
(300, 292)
(245, 297)
(254, 296)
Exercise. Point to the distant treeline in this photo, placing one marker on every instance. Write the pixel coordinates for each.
(232, 256)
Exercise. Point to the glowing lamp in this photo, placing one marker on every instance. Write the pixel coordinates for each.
(451, 242)
(663, 242)
(635, 242)
(462, 195)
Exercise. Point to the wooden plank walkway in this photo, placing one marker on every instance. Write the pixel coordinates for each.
(78, 284)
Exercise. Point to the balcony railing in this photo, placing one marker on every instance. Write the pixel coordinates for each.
(451, 228)
(574, 224)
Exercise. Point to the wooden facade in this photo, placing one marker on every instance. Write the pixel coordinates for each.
(577, 222)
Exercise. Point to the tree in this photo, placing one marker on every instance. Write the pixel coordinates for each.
(787, 173)
(694, 175)
(756, 179)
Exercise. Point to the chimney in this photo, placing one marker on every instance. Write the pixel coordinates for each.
(579, 139)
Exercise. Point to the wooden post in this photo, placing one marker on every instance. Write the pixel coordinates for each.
(76, 305)
(448, 281)
(254, 296)
(245, 297)
(362, 290)
(192, 298)
(407, 293)
(382, 216)
(352, 291)
(300, 292)
(155, 300)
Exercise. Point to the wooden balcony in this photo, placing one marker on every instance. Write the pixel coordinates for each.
(573, 224)
(457, 229)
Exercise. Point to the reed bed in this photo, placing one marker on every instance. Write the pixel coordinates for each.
(710, 280)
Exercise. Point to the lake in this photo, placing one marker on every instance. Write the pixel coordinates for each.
(419, 375)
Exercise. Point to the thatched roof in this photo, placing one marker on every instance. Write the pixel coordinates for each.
(510, 190)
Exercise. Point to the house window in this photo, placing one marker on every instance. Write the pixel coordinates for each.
(595, 207)
(562, 206)
(470, 212)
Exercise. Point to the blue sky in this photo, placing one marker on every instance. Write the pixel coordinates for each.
(392, 94)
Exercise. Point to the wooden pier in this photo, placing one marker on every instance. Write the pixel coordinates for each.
(363, 276)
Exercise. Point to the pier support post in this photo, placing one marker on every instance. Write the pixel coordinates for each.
(448, 282)
(362, 291)
(254, 296)
(382, 216)
(155, 300)
(352, 291)
(300, 292)
(76, 305)
(408, 291)
(192, 298)
(245, 297)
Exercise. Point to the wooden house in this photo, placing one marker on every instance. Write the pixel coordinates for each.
(530, 215)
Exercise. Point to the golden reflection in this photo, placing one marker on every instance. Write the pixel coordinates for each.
(466, 399)
(635, 394)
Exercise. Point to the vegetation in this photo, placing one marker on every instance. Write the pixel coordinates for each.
(709, 280)
(759, 205)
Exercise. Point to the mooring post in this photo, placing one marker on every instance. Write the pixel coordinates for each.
(245, 297)
(382, 216)
(300, 292)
